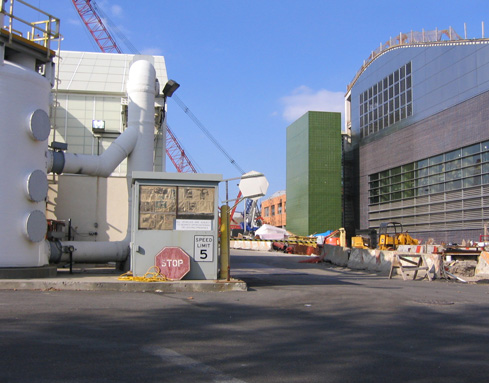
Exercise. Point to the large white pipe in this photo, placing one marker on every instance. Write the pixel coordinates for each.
(136, 143)
(137, 139)
(91, 252)
(102, 165)
(142, 88)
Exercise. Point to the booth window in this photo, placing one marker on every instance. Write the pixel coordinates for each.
(160, 206)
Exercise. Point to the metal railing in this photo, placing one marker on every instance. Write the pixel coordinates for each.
(41, 32)
(412, 38)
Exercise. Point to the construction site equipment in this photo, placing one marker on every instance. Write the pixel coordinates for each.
(366, 239)
(391, 235)
(360, 242)
(336, 238)
(406, 239)
(388, 232)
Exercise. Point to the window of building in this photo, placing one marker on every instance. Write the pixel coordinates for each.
(471, 150)
(273, 210)
(425, 187)
(267, 212)
(279, 208)
(432, 175)
(453, 155)
(386, 102)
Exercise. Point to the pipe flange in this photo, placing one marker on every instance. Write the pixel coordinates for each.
(39, 125)
(35, 226)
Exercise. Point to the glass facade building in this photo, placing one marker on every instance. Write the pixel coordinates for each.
(418, 124)
(442, 192)
(387, 102)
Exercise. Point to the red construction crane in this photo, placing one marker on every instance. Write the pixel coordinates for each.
(177, 155)
(89, 15)
(88, 11)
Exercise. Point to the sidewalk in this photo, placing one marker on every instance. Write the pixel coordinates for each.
(106, 279)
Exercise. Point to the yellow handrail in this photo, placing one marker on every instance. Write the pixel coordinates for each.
(41, 32)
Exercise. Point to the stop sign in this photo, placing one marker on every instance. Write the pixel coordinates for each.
(173, 262)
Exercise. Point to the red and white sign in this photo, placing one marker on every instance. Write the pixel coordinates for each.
(173, 262)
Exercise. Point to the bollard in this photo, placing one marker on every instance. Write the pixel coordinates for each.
(225, 264)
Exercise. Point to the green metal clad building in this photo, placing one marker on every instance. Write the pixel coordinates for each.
(314, 192)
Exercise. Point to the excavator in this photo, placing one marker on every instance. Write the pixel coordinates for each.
(391, 235)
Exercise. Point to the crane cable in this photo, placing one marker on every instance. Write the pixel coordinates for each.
(113, 28)
(180, 103)
(206, 132)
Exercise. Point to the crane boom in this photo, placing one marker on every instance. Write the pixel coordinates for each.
(88, 11)
(95, 26)
(176, 154)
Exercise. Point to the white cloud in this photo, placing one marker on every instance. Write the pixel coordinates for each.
(304, 99)
(152, 51)
(116, 10)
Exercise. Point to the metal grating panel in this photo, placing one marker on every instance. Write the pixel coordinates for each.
(457, 195)
(408, 211)
(473, 192)
(396, 205)
(472, 203)
(437, 197)
(437, 207)
(473, 214)
(438, 217)
(454, 205)
(422, 200)
(452, 225)
(408, 202)
(473, 224)
(422, 209)
(454, 216)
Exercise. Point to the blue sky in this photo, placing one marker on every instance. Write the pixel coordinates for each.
(248, 69)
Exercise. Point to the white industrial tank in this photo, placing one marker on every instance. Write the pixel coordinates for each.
(24, 132)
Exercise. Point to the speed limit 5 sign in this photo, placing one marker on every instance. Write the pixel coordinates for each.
(204, 248)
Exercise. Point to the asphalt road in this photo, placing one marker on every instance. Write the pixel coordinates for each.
(298, 322)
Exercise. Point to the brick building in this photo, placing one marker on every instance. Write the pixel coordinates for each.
(273, 210)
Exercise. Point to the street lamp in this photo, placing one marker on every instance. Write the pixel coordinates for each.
(170, 87)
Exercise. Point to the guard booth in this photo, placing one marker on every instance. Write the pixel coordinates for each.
(175, 215)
